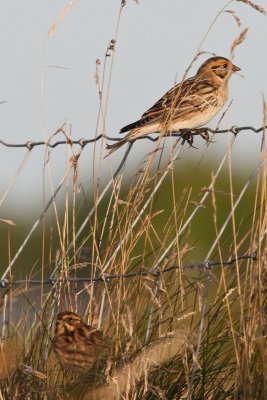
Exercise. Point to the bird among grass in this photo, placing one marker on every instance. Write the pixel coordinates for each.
(77, 345)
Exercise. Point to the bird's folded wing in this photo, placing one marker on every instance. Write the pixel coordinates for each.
(182, 100)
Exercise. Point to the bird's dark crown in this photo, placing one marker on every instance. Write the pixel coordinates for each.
(68, 316)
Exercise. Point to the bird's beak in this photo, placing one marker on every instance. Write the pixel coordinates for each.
(235, 68)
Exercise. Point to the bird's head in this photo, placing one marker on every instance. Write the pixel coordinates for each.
(66, 322)
(219, 69)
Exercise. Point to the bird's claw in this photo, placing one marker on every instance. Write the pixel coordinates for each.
(205, 135)
(189, 138)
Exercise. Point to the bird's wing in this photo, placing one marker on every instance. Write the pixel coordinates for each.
(90, 340)
(192, 95)
(88, 334)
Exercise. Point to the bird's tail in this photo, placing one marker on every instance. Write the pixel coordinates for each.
(113, 147)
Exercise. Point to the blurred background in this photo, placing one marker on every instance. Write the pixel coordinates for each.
(46, 81)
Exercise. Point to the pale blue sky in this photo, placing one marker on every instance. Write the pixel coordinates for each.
(156, 42)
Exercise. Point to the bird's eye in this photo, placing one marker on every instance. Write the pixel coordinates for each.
(224, 65)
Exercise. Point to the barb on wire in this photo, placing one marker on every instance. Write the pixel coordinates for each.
(83, 142)
(5, 283)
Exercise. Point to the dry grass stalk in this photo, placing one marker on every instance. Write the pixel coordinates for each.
(9, 356)
(235, 16)
(238, 41)
(264, 111)
(61, 16)
(255, 6)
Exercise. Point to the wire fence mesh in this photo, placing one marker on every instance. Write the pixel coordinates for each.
(5, 283)
(83, 142)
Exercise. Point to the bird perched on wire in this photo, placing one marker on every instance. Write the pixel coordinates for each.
(77, 345)
(187, 106)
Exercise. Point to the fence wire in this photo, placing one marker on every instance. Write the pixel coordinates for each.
(156, 272)
(82, 142)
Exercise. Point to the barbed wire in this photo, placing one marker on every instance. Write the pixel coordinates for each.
(156, 272)
(82, 142)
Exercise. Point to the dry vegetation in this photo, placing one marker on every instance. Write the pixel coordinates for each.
(186, 333)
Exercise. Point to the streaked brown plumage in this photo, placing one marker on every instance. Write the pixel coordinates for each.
(188, 105)
(77, 345)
